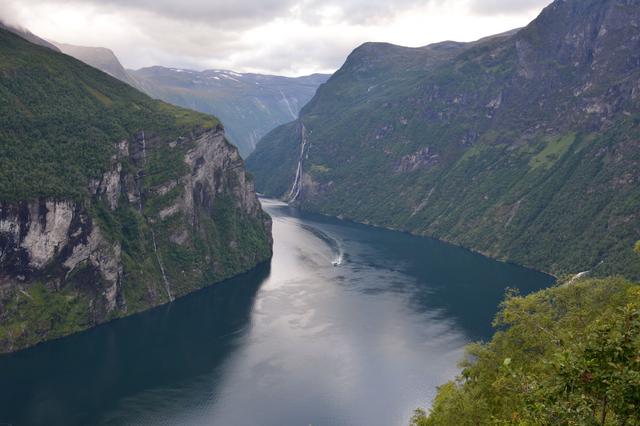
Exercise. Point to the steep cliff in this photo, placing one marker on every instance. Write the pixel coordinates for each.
(110, 202)
(523, 146)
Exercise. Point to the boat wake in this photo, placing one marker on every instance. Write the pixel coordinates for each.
(338, 256)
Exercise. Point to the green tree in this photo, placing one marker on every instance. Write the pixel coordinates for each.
(567, 355)
(596, 380)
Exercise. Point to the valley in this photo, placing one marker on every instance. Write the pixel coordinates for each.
(442, 234)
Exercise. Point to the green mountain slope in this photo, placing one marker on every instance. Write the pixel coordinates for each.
(110, 202)
(524, 146)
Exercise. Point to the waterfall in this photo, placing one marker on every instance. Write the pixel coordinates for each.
(294, 193)
(164, 275)
(144, 162)
(167, 286)
(286, 101)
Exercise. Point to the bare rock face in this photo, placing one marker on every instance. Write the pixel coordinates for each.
(47, 240)
(74, 249)
(47, 233)
(423, 158)
(33, 234)
(213, 154)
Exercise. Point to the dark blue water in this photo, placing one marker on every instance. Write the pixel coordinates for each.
(348, 325)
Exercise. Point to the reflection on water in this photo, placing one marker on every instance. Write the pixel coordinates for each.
(348, 325)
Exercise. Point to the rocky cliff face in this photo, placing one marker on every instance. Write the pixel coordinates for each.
(523, 146)
(68, 253)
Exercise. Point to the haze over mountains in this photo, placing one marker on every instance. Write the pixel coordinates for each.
(98, 57)
(249, 105)
(523, 146)
(28, 35)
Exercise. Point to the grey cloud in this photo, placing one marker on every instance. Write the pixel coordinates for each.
(9, 14)
(240, 14)
(315, 55)
(363, 11)
(211, 12)
(489, 7)
(210, 33)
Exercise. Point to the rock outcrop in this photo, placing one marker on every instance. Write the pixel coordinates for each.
(62, 244)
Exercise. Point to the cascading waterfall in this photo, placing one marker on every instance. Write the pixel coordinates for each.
(144, 163)
(286, 101)
(294, 193)
(167, 286)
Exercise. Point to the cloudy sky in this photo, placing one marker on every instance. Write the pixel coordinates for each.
(289, 37)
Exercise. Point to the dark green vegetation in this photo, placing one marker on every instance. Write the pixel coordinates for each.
(250, 105)
(569, 355)
(101, 214)
(61, 118)
(524, 146)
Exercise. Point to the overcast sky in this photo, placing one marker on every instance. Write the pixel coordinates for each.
(289, 37)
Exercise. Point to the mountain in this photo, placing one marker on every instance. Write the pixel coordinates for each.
(524, 146)
(110, 202)
(98, 57)
(250, 105)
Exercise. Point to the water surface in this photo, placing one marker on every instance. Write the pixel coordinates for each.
(348, 325)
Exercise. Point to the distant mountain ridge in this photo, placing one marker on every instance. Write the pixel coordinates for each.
(98, 57)
(524, 146)
(249, 105)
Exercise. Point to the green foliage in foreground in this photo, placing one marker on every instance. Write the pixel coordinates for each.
(568, 355)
